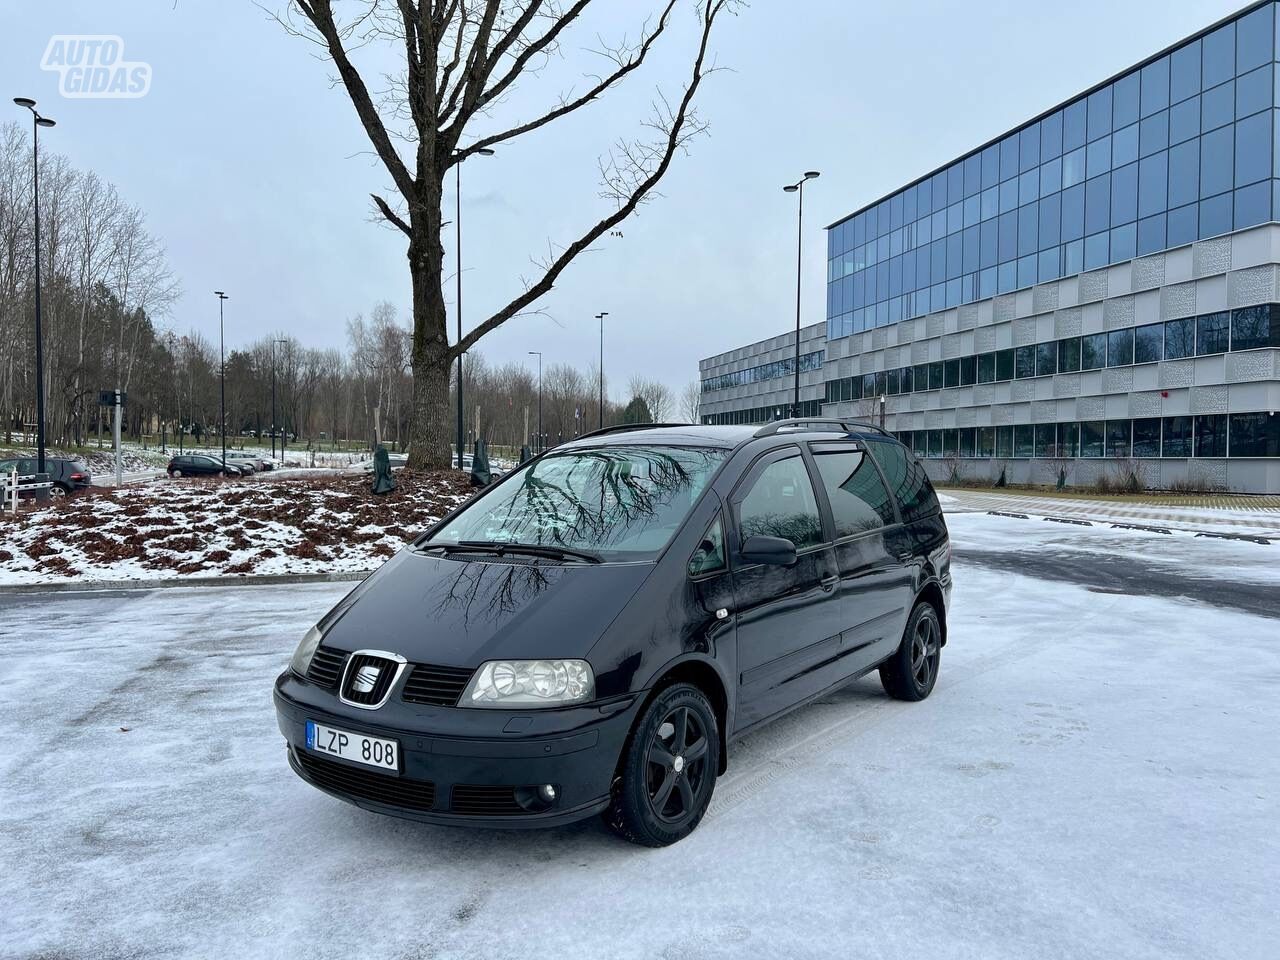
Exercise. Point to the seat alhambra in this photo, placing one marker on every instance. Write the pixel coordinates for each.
(592, 633)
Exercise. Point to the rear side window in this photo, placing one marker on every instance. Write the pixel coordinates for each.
(859, 500)
(781, 503)
(907, 479)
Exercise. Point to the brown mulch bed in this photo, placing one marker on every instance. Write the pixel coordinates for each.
(231, 527)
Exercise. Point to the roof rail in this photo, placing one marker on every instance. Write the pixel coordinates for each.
(848, 426)
(624, 427)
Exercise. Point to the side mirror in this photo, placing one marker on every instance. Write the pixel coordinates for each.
(775, 551)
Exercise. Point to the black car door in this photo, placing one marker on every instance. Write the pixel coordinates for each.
(875, 582)
(788, 618)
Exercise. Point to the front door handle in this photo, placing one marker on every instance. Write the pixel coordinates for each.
(829, 583)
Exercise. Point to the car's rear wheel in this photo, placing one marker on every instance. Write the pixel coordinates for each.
(913, 670)
(668, 770)
(58, 491)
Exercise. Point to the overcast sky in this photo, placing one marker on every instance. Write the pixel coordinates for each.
(255, 172)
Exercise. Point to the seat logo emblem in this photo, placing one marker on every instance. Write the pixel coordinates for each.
(366, 678)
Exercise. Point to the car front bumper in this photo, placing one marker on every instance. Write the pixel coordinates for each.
(489, 754)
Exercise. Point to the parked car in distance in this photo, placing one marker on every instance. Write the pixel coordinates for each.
(396, 461)
(591, 633)
(246, 465)
(66, 474)
(199, 465)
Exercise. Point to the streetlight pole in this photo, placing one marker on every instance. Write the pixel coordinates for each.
(284, 434)
(37, 122)
(222, 363)
(539, 353)
(273, 402)
(798, 187)
(457, 250)
(600, 317)
(273, 398)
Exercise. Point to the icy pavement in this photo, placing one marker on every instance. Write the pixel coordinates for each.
(1250, 516)
(1095, 775)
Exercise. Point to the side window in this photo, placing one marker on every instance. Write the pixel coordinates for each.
(907, 480)
(781, 503)
(859, 501)
(27, 468)
(709, 557)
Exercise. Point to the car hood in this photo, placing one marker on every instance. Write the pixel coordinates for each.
(459, 612)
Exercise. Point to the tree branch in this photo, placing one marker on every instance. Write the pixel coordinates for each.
(385, 209)
(676, 137)
(471, 81)
(320, 13)
(626, 64)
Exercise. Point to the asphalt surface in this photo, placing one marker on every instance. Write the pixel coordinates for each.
(1133, 575)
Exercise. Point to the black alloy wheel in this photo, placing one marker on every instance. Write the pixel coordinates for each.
(910, 674)
(676, 765)
(668, 769)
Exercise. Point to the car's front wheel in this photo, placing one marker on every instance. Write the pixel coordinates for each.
(913, 670)
(669, 769)
(176, 474)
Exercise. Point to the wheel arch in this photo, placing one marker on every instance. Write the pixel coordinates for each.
(931, 593)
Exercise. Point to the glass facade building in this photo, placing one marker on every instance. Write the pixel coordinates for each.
(1177, 149)
(1094, 295)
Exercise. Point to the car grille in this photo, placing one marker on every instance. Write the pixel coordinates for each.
(376, 787)
(441, 686)
(384, 671)
(326, 666)
(485, 801)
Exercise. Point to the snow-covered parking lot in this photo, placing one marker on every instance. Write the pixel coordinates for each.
(1096, 775)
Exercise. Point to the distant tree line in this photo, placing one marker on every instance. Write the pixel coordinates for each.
(106, 293)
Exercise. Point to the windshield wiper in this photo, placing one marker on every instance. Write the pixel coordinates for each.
(500, 547)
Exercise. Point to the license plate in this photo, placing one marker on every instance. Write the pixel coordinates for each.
(356, 747)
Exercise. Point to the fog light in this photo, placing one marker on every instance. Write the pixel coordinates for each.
(536, 797)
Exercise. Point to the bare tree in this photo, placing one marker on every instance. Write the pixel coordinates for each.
(691, 400)
(656, 396)
(461, 59)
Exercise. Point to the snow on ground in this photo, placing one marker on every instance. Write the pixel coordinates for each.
(193, 527)
(133, 458)
(1095, 775)
(1249, 516)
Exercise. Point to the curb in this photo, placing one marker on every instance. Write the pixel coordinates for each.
(230, 580)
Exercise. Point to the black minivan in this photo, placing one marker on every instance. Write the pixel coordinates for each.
(591, 634)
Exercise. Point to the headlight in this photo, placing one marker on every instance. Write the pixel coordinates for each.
(530, 683)
(306, 649)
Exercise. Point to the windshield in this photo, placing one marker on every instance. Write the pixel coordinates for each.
(621, 503)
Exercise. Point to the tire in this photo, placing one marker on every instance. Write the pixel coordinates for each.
(59, 492)
(663, 791)
(176, 474)
(222, 474)
(913, 669)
